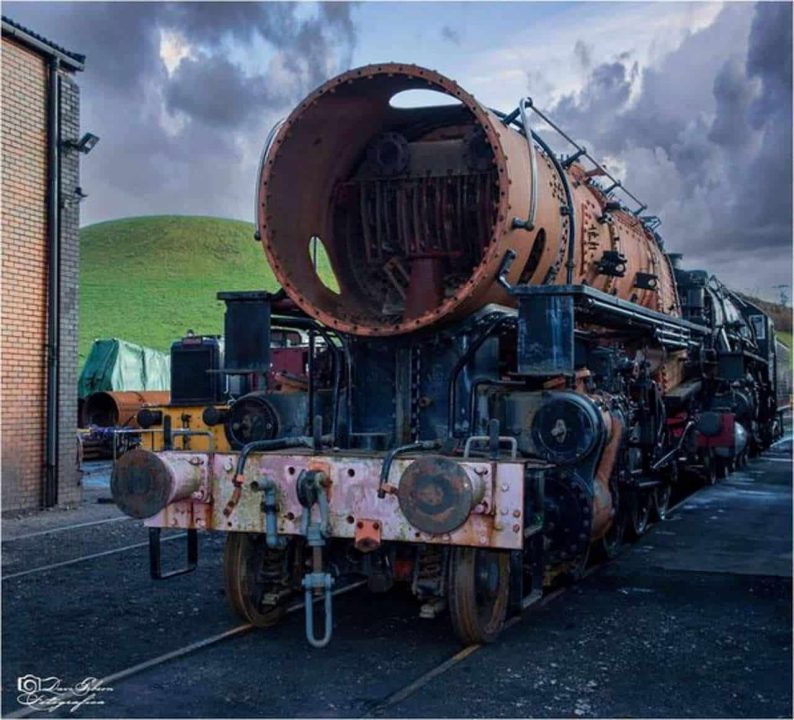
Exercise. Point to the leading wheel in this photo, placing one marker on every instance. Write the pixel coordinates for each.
(709, 467)
(661, 500)
(255, 578)
(478, 591)
(640, 513)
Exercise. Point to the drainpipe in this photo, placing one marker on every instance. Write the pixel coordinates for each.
(50, 494)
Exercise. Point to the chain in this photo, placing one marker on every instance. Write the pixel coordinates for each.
(416, 388)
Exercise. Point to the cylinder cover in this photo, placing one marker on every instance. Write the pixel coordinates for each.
(566, 428)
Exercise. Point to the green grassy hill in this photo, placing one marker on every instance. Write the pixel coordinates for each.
(149, 279)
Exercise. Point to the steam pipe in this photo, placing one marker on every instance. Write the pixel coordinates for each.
(394, 452)
(263, 446)
(266, 445)
(50, 494)
(464, 360)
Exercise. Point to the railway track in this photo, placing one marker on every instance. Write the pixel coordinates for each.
(84, 558)
(178, 653)
(375, 709)
(63, 528)
(381, 707)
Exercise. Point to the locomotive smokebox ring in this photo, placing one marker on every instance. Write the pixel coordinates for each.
(567, 428)
(436, 494)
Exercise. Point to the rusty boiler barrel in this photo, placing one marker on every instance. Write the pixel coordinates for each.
(415, 209)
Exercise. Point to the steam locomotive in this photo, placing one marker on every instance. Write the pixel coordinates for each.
(482, 368)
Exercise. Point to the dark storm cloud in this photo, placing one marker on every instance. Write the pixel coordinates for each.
(188, 142)
(705, 138)
(213, 90)
(733, 94)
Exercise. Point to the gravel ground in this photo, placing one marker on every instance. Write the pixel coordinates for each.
(695, 620)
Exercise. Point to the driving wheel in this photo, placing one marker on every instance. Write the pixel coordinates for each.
(478, 592)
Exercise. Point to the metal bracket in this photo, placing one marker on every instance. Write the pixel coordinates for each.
(504, 268)
(311, 492)
(270, 509)
(318, 581)
(646, 281)
(612, 263)
(155, 557)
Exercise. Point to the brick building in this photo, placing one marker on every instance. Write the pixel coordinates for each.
(39, 256)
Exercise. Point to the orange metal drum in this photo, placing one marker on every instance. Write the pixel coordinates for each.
(115, 409)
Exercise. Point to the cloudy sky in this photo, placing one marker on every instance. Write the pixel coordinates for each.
(689, 102)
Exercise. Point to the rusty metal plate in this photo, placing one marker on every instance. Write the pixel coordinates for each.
(495, 522)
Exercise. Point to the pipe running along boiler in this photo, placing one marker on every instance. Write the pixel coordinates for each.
(482, 371)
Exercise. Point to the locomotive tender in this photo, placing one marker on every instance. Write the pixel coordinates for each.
(502, 373)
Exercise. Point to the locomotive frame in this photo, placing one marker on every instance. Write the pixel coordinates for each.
(477, 459)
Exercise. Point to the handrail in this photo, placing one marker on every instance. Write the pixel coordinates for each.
(580, 152)
(529, 223)
(566, 186)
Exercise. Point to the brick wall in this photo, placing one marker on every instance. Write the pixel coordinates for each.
(23, 260)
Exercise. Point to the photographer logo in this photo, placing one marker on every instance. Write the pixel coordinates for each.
(49, 693)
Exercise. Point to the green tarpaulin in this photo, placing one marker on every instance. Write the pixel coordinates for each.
(119, 365)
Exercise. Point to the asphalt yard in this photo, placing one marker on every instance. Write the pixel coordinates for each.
(694, 620)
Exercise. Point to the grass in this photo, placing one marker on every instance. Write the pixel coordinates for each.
(149, 279)
(784, 337)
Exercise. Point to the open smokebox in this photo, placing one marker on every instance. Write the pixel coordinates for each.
(403, 203)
